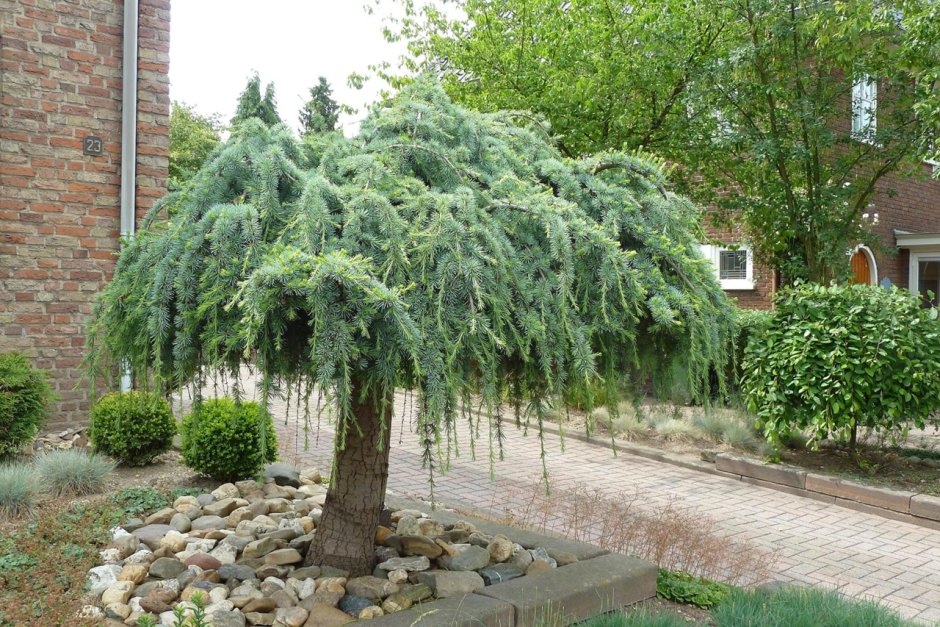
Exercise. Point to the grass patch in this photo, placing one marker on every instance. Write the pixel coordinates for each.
(73, 472)
(802, 607)
(44, 563)
(19, 489)
(685, 588)
(636, 618)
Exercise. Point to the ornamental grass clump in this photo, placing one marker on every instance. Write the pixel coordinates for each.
(455, 254)
(73, 472)
(19, 490)
(833, 359)
(24, 396)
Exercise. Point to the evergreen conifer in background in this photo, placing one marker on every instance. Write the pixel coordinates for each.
(251, 104)
(454, 254)
(320, 113)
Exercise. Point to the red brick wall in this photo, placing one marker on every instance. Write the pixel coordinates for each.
(60, 79)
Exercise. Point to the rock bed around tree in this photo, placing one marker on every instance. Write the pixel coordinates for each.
(241, 548)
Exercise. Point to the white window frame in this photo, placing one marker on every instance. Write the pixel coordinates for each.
(713, 255)
(865, 109)
(913, 272)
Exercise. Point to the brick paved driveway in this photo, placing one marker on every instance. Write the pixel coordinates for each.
(817, 543)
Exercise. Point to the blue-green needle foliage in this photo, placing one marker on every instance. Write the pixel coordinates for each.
(444, 251)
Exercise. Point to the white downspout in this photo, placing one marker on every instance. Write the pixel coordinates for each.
(129, 140)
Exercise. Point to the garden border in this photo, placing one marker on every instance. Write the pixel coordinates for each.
(911, 507)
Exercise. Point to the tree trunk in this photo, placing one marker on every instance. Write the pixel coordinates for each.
(345, 536)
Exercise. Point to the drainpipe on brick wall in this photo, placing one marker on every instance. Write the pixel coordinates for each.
(129, 140)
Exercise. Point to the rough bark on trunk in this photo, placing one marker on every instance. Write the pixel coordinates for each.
(345, 536)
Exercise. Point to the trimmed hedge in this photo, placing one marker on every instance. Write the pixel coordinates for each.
(132, 427)
(24, 396)
(228, 440)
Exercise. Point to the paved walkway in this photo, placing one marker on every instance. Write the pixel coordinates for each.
(817, 543)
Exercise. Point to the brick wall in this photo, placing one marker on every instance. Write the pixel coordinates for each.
(60, 79)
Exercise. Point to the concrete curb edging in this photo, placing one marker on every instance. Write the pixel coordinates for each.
(920, 509)
(598, 582)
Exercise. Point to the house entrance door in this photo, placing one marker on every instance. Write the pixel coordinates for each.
(861, 268)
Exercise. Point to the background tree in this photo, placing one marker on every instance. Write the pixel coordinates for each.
(193, 137)
(251, 104)
(446, 252)
(751, 97)
(320, 113)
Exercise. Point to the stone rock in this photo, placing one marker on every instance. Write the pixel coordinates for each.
(311, 473)
(500, 549)
(538, 553)
(222, 507)
(132, 524)
(290, 617)
(224, 491)
(117, 611)
(260, 548)
(471, 558)
(126, 544)
(185, 502)
(329, 571)
(110, 556)
(152, 534)
(174, 541)
(370, 587)
(208, 522)
(538, 566)
(323, 597)
(498, 573)
(226, 553)
(166, 568)
(373, 611)
(202, 588)
(282, 557)
(218, 594)
(231, 618)
(239, 514)
(406, 598)
(143, 556)
(282, 475)
(161, 517)
(271, 571)
(332, 584)
(259, 618)
(117, 592)
(521, 558)
(100, 578)
(420, 545)
(239, 572)
(412, 526)
(326, 616)
(564, 558)
(447, 583)
(398, 576)
(90, 612)
(203, 561)
(181, 522)
(305, 588)
(133, 572)
(410, 564)
(301, 543)
(382, 534)
(278, 506)
(352, 604)
(263, 604)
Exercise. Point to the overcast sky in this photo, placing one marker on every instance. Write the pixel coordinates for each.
(216, 44)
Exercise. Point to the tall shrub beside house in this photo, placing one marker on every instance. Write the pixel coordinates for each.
(24, 397)
(452, 253)
(833, 359)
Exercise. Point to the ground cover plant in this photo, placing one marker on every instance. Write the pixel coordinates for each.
(132, 427)
(24, 396)
(455, 254)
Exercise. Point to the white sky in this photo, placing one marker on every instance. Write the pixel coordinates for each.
(216, 44)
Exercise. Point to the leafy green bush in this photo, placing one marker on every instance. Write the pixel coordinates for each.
(223, 439)
(801, 607)
(137, 501)
(836, 358)
(681, 587)
(73, 471)
(19, 487)
(132, 427)
(24, 395)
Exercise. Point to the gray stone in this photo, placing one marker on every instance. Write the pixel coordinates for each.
(239, 572)
(500, 549)
(232, 618)
(539, 553)
(152, 534)
(302, 543)
(133, 524)
(447, 583)
(418, 545)
(181, 522)
(411, 564)
(166, 568)
(352, 604)
(290, 617)
(282, 557)
(223, 507)
(329, 571)
(498, 573)
(370, 587)
(521, 558)
(161, 517)
(282, 474)
(100, 578)
(205, 499)
(208, 522)
(260, 618)
(307, 572)
(471, 558)
(260, 548)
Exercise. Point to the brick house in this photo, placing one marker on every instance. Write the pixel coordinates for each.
(908, 226)
(67, 193)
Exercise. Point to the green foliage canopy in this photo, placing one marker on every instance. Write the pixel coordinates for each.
(24, 397)
(251, 104)
(320, 113)
(445, 251)
(193, 137)
(832, 359)
(228, 440)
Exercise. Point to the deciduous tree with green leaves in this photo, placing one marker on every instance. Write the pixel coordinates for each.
(193, 137)
(752, 98)
(454, 254)
(251, 104)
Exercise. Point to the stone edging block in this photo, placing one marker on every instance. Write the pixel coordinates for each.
(893, 500)
(925, 506)
(783, 475)
(578, 591)
(470, 609)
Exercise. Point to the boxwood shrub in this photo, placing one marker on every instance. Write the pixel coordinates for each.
(24, 396)
(132, 427)
(832, 359)
(228, 440)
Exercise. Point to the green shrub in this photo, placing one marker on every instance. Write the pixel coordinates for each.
(681, 587)
(24, 396)
(836, 358)
(73, 471)
(19, 487)
(132, 427)
(223, 439)
(801, 607)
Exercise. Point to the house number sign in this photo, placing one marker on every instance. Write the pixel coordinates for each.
(92, 145)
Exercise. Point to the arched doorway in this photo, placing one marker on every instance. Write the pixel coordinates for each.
(864, 268)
